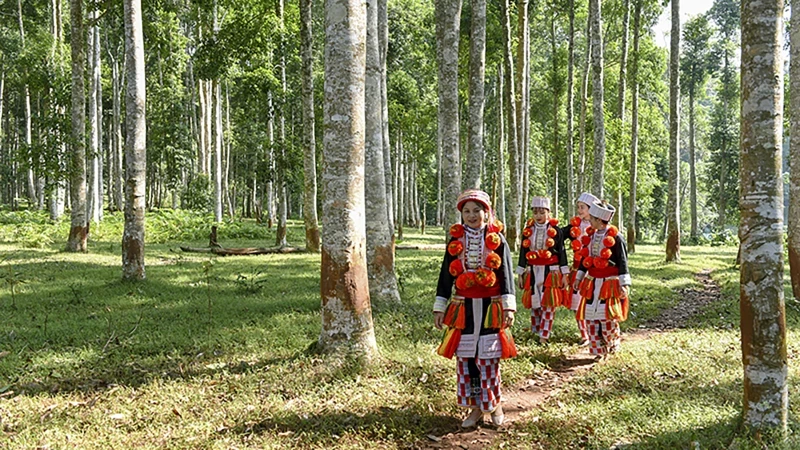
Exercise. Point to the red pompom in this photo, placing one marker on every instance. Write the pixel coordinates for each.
(576, 245)
(455, 247)
(575, 221)
(496, 227)
(590, 231)
(526, 243)
(531, 256)
(588, 262)
(529, 223)
(586, 240)
(577, 256)
(550, 242)
(553, 222)
(605, 253)
(552, 232)
(527, 232)
(493, 261)
(485, 277)
(609, 241)
(493, 241)
(585, 252)
(456, 268)
(461, 281)
(574, 232)
(600, 263)
(612, 231)
(457, 230)
(545, 254)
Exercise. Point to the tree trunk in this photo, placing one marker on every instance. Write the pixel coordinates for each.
(598, 175)
(673, 203)
(346, 312)
(763, 314)
(556, 107)
(692, 167)
(637, 17)
(570, 112)
(448, 21)
(584, 107)
(383, 47)
(794, 155)
(281, 168)
(477, 78)
(515, 188)
(79, 228)
(116, 148)
(95, 199)
(309, 140)
(500, 198)
(380, 238)
(135, 145)
(523, 104)
(401, 174)
(623, 63)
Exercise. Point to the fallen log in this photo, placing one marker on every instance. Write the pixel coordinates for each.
(244, 251)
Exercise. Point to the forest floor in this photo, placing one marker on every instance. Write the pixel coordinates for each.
(521, 400)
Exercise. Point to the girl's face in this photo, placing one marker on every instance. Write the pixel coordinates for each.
(541, 215)
(597, 224)
(583, 211)
(473, 215)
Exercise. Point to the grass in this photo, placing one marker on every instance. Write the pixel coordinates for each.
(214, 353)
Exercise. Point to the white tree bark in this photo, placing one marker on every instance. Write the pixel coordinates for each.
(135, 145)
(514, 179)
(571, 112)
(523, 104)
(584, 107)
(217, 150)
(79, 228)
(95, 200)
(116, 149)
(346, 310)
(477, 78)
(383, 44)
(281, 187)
(673, 202)
(598, 174)
(309, 140)
(448, 21)
(380, 242)
(794, 155)
(631, 235)
(763, 314)
(500, 199)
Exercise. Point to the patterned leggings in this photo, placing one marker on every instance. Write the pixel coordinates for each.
(604, 336)
(542, 321)
(479, 383)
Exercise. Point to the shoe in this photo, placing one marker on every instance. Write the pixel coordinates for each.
(583, 343)
(472, 420)
(497, 416)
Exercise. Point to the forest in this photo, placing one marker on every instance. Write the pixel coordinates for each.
(329, 141)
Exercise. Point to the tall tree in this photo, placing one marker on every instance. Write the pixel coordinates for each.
(623, 61)
(95, 200)
(79, 228)
(135, 145)
(477, 78)
(695, 67)
(346, 311)
(587, 58)
(28, 118)
(309, 140)
(500, 197)
(383, 44)
(515, 188)
(523, 100)
(282, 187)
(448, 21)
(637, 18)
(673, 204)
(598, 177)
(380, 245)
(794, 155)
(571, 111)
(763, 313)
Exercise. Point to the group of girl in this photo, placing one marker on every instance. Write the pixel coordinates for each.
(477, 317)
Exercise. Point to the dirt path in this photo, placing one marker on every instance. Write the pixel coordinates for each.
(525, 396)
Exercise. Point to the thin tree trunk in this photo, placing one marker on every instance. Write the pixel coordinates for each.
(500, 198)
(763, 312)
(117, 136)
(282, 188)
(401, 205)
(634, 128)
(556, 107)
(309, 143)
(135, 145)
(477, 78)
(673, 203)
(448, 21)
(523, 104)
(570, 112)
(692, 165)
(584, 107)
(79, 228)
(623, 63)
(95, 200)
(515, 188)
(347, 326)
(380, 238)
(794, 155)
(383, 46)
(598, 172)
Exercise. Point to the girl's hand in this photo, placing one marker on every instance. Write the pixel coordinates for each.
(438, 317)
(565, 282)
(576, 285)
(626, 290)
(521, 279)
(508, 318)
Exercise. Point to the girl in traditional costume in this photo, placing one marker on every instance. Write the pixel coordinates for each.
(478, 263)
(603, 281)
(575, 231)
(542, 268)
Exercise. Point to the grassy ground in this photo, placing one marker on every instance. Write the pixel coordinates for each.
(213, 353)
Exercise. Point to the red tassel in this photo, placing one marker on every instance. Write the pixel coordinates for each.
(450, 342)
(587, 287)
(551, 297)
(508, 349)
(494, 316)
(452, 310)
(461, 317)
(580, 314)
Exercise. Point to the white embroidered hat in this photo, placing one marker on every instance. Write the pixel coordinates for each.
(587, 198)
(540, 202)
(602, 211)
